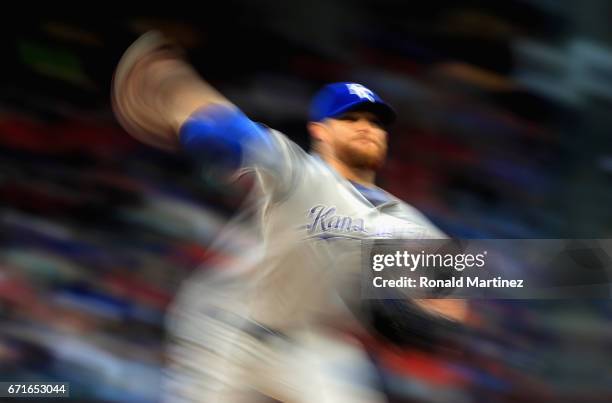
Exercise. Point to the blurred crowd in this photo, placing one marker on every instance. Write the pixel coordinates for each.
(503, 133)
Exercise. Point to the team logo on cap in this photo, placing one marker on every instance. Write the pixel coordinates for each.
(360, 91)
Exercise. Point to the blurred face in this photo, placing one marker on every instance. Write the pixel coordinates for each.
(358, 139)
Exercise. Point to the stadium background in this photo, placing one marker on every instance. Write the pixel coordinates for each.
(504, 132)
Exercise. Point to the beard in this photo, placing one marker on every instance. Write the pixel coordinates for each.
(356, 156)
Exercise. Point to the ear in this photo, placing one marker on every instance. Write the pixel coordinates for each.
(317, 131)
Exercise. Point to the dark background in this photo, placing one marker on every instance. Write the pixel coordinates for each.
(503, 133)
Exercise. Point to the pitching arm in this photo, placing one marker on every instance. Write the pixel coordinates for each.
(161, 100)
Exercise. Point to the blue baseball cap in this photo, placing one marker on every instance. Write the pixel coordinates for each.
(337, 98)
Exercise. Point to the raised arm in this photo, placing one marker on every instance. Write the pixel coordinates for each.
(161, 100)
(155, 90)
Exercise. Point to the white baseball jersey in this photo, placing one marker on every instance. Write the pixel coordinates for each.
(305, 263)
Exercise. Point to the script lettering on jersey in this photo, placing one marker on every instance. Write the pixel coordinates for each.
(323, 222)
(324, 218)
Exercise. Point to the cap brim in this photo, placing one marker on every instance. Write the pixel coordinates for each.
(384, 112)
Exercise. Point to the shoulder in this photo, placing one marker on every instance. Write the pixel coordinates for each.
(411, 213)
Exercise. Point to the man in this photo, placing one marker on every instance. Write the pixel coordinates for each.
(273, 324)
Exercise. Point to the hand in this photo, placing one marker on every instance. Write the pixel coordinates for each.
(454, 309)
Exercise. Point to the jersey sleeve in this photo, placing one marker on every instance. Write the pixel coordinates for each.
(430, 230)
(225, 139)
